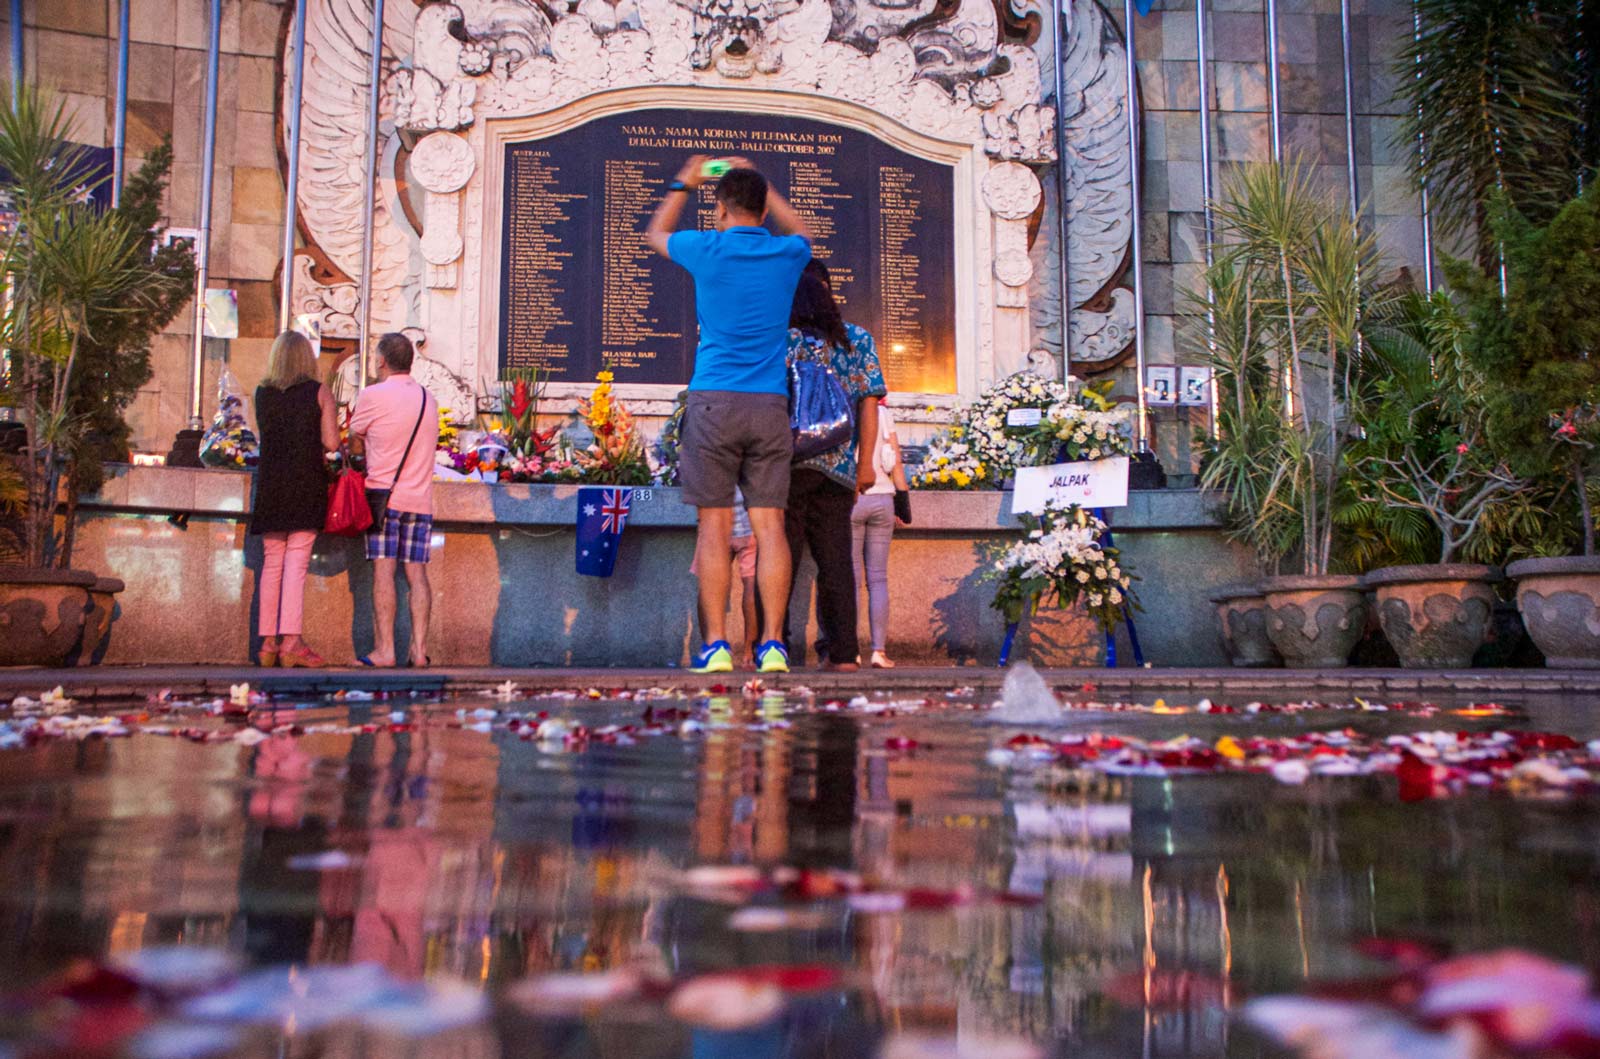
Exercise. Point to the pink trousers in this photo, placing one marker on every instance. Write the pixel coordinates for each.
(283, 582)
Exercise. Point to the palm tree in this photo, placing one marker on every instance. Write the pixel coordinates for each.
(1489, 84)
(67, 264)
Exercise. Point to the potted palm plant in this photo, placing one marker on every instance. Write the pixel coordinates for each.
(1423, 450)
(69, 265)
(1288, 280)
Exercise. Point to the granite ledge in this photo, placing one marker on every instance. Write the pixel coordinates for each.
(208, 492)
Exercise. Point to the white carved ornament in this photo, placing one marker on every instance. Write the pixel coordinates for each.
(449, 64)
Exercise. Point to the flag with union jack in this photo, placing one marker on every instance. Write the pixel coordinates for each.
(602, 516)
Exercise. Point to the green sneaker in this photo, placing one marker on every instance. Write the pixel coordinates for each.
(713, 658)
(772, 658)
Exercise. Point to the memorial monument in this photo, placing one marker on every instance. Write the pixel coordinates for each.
(521, 154)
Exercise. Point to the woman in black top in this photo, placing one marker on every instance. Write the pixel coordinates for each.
(297, 426)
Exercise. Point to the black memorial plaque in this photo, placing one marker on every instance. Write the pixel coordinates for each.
(580, 289)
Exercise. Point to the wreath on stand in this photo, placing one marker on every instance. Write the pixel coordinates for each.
(1062, 560)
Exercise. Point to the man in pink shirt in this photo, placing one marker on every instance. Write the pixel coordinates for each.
(396, 421)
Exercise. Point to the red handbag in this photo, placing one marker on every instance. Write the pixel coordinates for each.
(348, 513)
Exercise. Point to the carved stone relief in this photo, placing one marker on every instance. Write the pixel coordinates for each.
(952, 77)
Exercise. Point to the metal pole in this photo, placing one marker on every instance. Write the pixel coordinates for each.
(1422, 164)
(1349, 112)
(119, 121)
(16, 50)
(374, 90)
(202, 257)
(1273, 96)
(1141, 430)
(297, 66)
(1203, 63)
(1058, 33)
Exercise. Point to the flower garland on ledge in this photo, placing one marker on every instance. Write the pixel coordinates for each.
(514, 449)
(982, 452)
(1061, 560)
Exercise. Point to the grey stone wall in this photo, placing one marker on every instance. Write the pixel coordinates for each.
(1311, 92)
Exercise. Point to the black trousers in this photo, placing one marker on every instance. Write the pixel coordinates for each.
(819, 517)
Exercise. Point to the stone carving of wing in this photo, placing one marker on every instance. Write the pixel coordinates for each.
(334, 119)
(1100, 199)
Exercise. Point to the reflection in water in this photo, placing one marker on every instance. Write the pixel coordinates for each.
(1139, 910)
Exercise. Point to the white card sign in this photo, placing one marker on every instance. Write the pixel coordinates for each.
(1024, 417)
(1090, 483)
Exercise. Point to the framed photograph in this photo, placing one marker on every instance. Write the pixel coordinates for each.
(1161, 385)
(1194, 386)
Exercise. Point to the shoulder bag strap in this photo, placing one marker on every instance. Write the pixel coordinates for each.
(421, 414)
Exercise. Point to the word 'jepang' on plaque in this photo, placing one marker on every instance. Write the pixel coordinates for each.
(581, 290)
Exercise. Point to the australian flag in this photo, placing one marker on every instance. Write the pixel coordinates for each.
(602, 516)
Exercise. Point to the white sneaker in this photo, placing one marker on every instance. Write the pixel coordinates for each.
(881, 661)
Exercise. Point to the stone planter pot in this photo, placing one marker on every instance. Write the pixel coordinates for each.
(1560, 604)
(1242, 620)
(97, 623)
(1435, 615)
(41, 614)
(1315, 622)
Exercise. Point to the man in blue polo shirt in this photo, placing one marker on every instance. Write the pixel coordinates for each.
(736, 423)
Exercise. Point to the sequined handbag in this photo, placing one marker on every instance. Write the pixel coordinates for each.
(820, 414)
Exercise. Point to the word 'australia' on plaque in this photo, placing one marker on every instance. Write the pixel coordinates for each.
(580, 289)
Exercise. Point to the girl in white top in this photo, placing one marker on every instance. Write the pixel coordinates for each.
(872, 529)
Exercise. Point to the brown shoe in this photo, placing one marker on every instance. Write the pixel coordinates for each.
(305, 658)
(840, 667)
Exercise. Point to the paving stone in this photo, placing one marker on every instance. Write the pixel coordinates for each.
(76, 16)
(1243, 137)
(1185, 187)
(1187, 236)
(1297, 37)
(1182, 81)
(1239, 86)
(254, 250)
(69, 62)
(152, 21)
(149, 72)
(1152, 85)
(258, 309)
(1238, 36)
(257, 80)
(90, 118)
(1156, 247)
(257, 196)
(1178, 37)
(255, 140)
(259, 22)
(1183, 136)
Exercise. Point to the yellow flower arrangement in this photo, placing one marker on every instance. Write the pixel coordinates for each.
(617, 456)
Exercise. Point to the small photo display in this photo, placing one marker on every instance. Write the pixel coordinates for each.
(1161, 385)
(1194, 386)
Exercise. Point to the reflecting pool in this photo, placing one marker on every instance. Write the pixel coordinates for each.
(903, 875)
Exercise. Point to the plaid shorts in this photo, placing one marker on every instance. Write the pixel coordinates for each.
(406, 536)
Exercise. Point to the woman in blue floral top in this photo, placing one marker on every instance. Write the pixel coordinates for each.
(823, 489)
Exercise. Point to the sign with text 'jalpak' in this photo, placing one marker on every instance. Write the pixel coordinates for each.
(1090, 483)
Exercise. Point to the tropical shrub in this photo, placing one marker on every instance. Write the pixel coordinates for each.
(1422, 449)
(1538, 346)
(73, 269)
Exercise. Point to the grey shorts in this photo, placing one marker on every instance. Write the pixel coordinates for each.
(735, 439)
